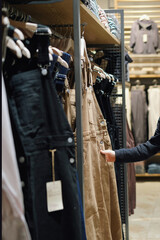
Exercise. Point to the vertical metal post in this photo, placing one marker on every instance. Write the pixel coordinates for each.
(124, 120)
(78, 83)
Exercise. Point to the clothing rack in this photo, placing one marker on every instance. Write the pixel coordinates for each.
(17, 15)
(77, 63)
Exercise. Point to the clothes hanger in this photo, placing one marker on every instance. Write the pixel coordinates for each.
(56, 51)
(138, 85)
(66, 44)
(28, 28)
(13, 40)
(155, 83)
(99, 71)
(144, 17)
(13, 47)
(138, 82)
(62, 62)
(23, 49)
(50, 54)
(84, 55)
(15, 32)
(5, 20)
(18, 34)
(105, 75)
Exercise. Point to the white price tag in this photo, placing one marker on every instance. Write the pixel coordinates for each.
(54, 196)
(144, 38)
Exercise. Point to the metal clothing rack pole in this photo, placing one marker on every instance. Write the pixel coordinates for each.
(121, 12)
(123, 125)
(124, 121)
(78, 83)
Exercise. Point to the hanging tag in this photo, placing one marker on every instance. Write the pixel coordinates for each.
(54, 191)
(53, 175)
(144, 38)
(54, 196)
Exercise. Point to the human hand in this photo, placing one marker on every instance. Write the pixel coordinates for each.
(109, 155)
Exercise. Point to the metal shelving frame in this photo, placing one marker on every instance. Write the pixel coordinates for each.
(77, 59)
(78, 84)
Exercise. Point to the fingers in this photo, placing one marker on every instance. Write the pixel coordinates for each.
(109, 155)
(103, 152)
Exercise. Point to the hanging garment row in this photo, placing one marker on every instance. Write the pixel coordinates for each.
(145, 103)
(44, 140)
(102, 215)
(41, 98)
(106, 93)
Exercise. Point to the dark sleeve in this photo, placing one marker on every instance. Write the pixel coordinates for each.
(142, 151)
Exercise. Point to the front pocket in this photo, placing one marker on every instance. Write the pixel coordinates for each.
(29, 110)
(28, 105)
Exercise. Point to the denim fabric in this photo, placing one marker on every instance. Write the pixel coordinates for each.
(103, 90)
(41, 125)
(154, 168)
(62, 73)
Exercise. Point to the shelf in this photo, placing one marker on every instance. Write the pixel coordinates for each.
(62, 13)
(148, 175)
(146, 58)
(149, 64)
(144, 76)
(44, 2)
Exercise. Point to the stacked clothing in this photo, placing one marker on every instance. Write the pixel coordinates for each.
(93, 6)
(154, 168)
(114, 25)
(85, 2)
(103, 17)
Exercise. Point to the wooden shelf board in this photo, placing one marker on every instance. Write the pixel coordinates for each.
(148, 175)
(140, 11)
(138, 1)
(144, 65)
(145, 76)
(95, 32)
(62, 13)
(145, 58)
(138, 6)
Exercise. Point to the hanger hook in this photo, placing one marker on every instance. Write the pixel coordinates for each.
(65, 34)
(70, 35)
(83, 28)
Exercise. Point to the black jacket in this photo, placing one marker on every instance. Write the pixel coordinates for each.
(142, 151)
